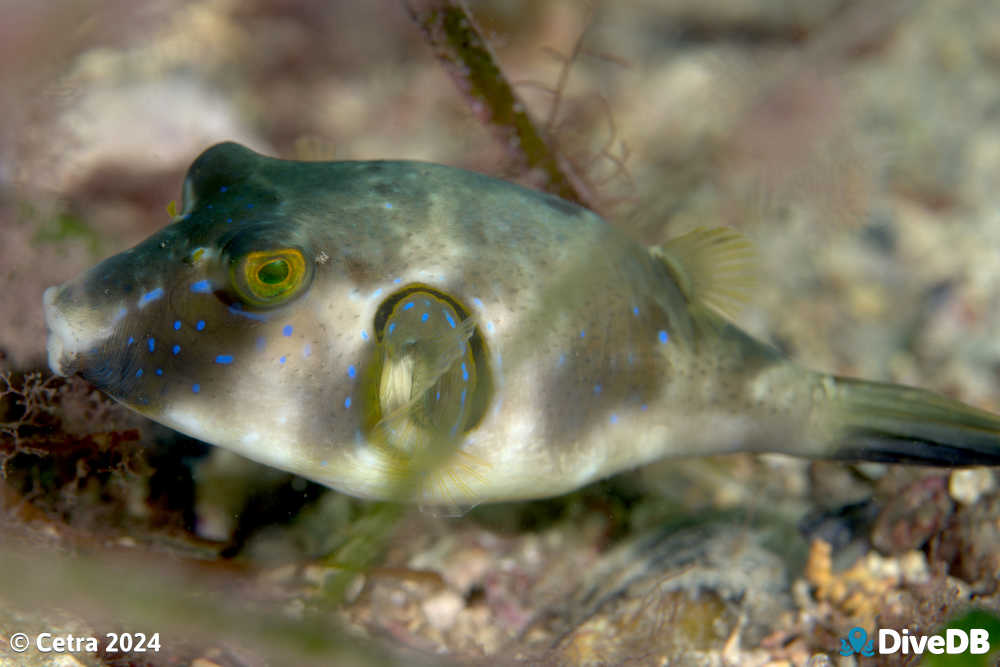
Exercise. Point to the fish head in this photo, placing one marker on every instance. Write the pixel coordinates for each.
(220, 324)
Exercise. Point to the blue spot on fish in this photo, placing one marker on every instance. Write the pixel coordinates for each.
(131, 340)
(177, 349)
(377, 293)
(423, 317)
(643, 407)
(447, 316)
(177, 325)
(196, 387)
(597, 389)
(224, 359)
(582, 333)
(489, 327)
(223, 188)
(159, 371)
(409, 305)
(152, 344)
(663, 336)
(465, 372)
(364, 335)
(229, 221)
(635, 310)
(351, 371)
(396, 281)
(437, 395)
(138, 373)
(199, 325)
(388, 206)
(150, 297)
(613, 419)
(286, 330)
(281, 360)
(347, 402)
(202, 286)
(478, 302)
(392, 327)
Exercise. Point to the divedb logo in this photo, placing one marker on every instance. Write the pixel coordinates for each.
(953, 641)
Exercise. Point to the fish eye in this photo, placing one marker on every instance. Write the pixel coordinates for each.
(268, 278)
(273, 272)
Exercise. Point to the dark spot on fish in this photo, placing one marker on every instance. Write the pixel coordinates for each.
(880, 232)
(359, 270)
(937, 295)
(384, 189)
(476, 234)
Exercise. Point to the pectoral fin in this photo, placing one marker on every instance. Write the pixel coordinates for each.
(430, 385)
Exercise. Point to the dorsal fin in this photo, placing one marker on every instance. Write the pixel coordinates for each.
(715, 267)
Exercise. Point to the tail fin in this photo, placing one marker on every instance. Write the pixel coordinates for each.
(896, 424)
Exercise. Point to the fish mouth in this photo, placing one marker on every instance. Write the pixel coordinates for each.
(61, 336)
(73, 329)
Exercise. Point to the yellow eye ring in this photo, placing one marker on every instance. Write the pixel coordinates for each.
(270, 277)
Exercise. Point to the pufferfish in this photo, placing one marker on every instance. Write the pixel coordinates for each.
(412, 331)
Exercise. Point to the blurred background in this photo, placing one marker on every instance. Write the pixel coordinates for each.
(857, 143)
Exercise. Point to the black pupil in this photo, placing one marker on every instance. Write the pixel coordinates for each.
(273, 272)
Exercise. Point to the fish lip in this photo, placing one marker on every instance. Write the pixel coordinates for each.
(59, 333)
